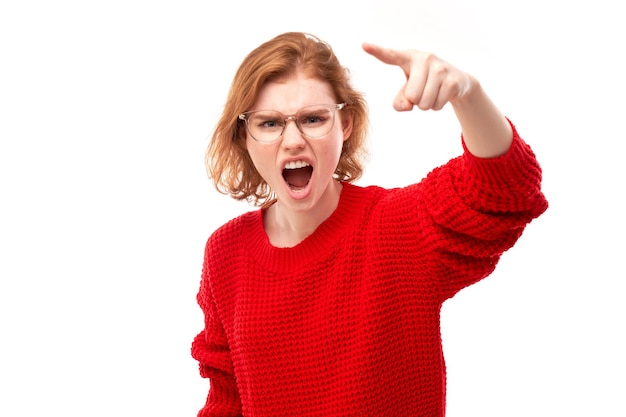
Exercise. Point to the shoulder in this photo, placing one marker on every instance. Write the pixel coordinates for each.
(382, 210)
(359, 194)
(227, 236)
(378, 196)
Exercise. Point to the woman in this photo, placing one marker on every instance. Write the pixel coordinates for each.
(326, 300)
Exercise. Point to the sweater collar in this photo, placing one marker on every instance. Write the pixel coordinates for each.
(317, 245)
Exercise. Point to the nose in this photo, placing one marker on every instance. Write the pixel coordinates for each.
(292, 137)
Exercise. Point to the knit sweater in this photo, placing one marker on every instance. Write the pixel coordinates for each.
(347, 322)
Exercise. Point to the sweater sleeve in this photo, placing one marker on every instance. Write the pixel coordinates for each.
(210, 348)
(478, 209)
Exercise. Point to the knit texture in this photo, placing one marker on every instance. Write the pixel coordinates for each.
(346, 323)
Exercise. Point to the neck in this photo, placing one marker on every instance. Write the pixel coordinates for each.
(287, 228)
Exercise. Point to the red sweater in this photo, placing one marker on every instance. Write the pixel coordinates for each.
(346, 323)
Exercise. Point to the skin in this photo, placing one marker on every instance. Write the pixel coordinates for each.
(430, 84)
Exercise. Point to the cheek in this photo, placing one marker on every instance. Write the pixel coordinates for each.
(260, 156)
(253, 150)
(332, 153)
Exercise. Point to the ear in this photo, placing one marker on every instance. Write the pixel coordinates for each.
(347, 124)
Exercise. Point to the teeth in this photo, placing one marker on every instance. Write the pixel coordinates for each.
(296, 165)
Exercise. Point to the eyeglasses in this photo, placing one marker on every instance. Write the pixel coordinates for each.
(267, 126)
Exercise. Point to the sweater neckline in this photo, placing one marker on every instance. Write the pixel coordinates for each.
(319, 243)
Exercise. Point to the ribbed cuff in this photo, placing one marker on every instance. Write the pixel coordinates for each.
(517, 166)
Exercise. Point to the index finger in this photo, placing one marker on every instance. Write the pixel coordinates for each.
(387, 55)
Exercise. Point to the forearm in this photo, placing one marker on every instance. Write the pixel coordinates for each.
(486, 132)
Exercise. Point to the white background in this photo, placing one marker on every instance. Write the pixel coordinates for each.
(105, 112)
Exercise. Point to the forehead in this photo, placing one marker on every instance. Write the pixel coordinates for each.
(288, 95)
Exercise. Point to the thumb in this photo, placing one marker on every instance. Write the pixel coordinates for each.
(401, 102)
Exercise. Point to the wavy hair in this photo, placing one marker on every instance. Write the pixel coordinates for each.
(227, 160)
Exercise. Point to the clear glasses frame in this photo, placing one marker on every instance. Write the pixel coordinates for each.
(296, 118)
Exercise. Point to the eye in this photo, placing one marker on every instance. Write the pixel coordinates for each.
(312, 119)
(267, 121)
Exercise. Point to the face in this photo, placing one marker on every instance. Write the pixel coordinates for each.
(298, 169)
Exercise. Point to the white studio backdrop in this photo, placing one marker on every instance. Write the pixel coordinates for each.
(105, 112)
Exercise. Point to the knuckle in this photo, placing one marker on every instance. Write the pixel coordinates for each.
(428, 57)
(439, 68)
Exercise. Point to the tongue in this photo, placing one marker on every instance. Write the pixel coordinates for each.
(298, 177)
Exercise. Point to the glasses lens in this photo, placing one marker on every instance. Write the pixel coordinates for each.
(315, 121)
(266, 125)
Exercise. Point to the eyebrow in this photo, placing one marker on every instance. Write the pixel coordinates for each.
(323, 103)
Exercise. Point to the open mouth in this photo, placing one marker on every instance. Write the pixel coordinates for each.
(297, 174)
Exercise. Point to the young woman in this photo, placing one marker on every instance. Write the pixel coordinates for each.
(325, 301)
